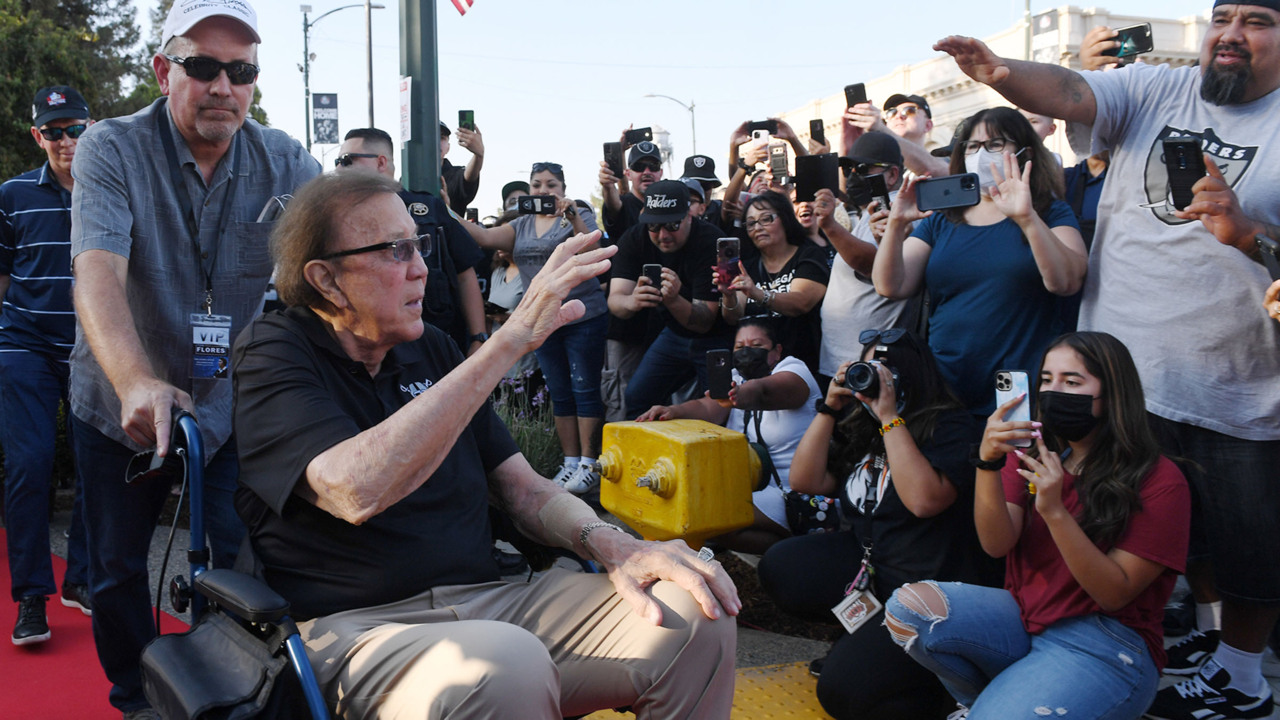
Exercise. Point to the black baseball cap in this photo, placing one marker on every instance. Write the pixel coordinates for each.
(60, 102)
(874, 148)
(701, 168)
(665, 201)
(444, 130)
(898, 99)
(641, 150)
(946, 150)
(514, 185)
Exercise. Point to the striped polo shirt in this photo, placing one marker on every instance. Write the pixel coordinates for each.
(35, 252)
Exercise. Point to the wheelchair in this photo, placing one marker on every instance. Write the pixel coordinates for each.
(243, 656)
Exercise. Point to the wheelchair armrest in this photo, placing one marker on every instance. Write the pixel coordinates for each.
(242, 595)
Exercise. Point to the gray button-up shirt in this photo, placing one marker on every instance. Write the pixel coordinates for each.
(124, 202)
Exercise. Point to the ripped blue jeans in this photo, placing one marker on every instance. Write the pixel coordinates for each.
(973, 639)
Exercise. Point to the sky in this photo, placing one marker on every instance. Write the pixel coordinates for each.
(553, 80)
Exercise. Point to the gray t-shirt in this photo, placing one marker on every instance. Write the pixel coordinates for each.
(852, 305)
(532, 250)
(1188, 307)
(124, 202)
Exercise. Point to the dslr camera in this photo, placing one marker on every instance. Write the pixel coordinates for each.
(536, 205)
(863, 377)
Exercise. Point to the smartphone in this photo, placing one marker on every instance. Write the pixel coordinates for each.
(1134, 40)
(855, 94)
(613, 158)
(778, 163)
(719, 373)
(467, 119)
(1184, 162)
(768, 126)
(950, 191)
(815, 172)
(879, 191)
(1270, 251)
(638, 135)
(817, 133)
(1010, 384)
(653, 271)
(473, 215)
(727, 255)
(536, 205)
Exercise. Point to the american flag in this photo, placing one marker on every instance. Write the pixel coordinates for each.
(462, 5)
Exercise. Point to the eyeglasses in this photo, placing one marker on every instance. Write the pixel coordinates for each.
(646, 166)
(206, 69)
(348, 159)
(905, 111)
(994, 145)
(401, 250)
(553, 168)
(54, 134)
(870, 168)
(655, 228)
(765, 219)
(884, 337)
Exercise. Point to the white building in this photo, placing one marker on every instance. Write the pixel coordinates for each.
(953, 96)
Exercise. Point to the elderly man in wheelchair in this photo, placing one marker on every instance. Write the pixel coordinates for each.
(369, 459)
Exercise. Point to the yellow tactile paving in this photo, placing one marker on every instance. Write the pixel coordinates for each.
(772, 692)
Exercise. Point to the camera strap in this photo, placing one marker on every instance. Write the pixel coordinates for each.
(753, 417)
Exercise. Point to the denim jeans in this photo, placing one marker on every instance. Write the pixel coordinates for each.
(1090, 666)
(571, 360)
(121, 520)
(31, 386)
(669, 363)
(1235, 506)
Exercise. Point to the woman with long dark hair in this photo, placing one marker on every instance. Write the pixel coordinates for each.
(1093, 524)
(898, 461)
(787, 279)
(994, 271)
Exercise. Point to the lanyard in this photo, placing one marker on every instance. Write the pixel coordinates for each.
(188, 210)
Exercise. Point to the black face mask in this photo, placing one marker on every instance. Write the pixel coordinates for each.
(752, 363)
(1067, 415)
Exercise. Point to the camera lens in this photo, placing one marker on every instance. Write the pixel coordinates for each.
(862, 377)
(967, 183)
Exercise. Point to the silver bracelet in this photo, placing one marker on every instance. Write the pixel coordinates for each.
(595, 525)
(768, 298)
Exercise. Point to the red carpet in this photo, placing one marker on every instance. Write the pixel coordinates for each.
(59, 679)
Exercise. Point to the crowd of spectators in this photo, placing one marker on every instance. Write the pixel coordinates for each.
(866, 338)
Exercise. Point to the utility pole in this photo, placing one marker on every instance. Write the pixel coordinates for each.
(419, 50)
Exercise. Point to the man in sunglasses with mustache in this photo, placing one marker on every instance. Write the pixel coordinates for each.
(37, 328)
(170, 264)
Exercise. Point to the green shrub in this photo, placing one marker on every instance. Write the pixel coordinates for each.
(524, 405)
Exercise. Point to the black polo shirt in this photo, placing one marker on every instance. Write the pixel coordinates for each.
(693, 264)
(297, 394)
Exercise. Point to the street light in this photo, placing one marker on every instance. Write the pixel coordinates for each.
(306, 59)
(693, 127)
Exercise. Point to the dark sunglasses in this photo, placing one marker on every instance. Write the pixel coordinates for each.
(348, 159)
(548, 166)
(655, 228)
(646, 165)
(884, 337)
(206, 69)
(870, 168)
(401, 250)
(54, 134)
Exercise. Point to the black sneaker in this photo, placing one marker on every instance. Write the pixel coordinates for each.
(32, 626)
(76, 595)
(1186, 657)
(1206, 696)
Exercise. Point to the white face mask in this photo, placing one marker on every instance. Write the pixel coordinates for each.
(980, 163)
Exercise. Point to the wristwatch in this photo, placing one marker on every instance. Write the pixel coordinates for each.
(822, 408)
(976, 460)
(743, 164)
(478, 337)
(595, 525)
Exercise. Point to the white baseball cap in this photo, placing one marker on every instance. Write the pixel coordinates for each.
(185, 14)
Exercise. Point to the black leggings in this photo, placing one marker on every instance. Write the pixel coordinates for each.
(865, 675)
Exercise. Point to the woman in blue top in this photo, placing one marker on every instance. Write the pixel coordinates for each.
(572, 357)
(994, 271)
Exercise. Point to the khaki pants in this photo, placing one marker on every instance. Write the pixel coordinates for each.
(620, 363)
(565, 644)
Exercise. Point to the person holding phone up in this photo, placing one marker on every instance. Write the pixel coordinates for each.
(994, 271)
(571, 359)
(1093, 523)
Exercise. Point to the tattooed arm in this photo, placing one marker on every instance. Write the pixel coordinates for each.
(1025, 84)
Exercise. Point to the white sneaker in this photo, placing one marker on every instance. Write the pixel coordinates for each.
(563, 474)
(584, 479)
(961, 713)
